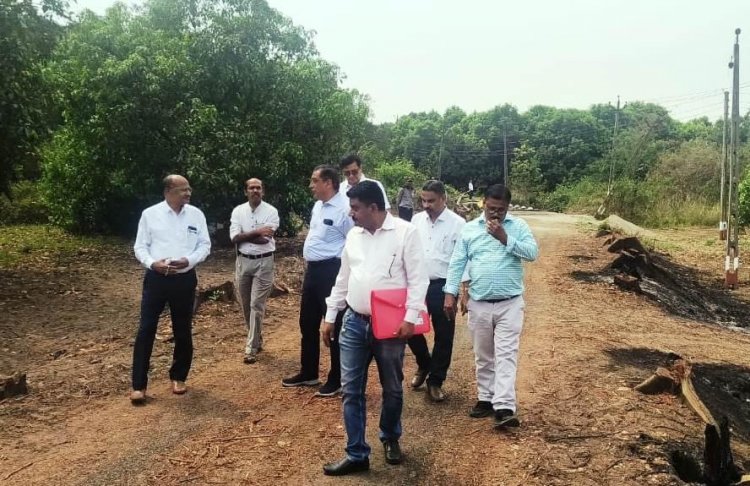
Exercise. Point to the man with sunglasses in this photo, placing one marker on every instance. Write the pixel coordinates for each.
(351, 167)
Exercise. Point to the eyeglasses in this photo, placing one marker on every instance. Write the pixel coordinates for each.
(353, 172)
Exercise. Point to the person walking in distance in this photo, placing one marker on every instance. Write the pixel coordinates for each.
(381, 252)
(252, 226)
(172, 239)
(439, 228)
(329, 224)
(405, 200)
(496, 243)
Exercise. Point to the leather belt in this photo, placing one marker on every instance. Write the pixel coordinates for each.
(495, 301)
(256, 257)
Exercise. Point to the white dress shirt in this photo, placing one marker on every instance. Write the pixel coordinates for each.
(163, 233)
(329, 224)
(438, 240)
(344, 187)
(391, 258)
(245, 218)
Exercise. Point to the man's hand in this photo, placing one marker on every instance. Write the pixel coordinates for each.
(326, 333)
(179, 264)
(405, 331)
(464, 300)
(495, 228)
(265, 231)
(161, 266)
(449, 306)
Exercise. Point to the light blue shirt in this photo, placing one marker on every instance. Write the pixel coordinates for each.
(162, 233)
(329, 224)
(496, 270)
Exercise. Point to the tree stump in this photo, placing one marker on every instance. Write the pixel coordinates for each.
(13, 385)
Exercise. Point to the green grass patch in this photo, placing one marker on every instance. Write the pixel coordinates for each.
(25, 244)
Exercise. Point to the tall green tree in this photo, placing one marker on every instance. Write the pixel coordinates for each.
(27, 36)
(219, 92)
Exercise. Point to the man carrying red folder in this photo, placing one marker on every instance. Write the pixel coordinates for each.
(381, 252)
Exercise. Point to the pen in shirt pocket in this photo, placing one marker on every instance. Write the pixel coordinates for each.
(393, 260)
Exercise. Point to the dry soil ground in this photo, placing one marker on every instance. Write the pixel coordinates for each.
(70, 324)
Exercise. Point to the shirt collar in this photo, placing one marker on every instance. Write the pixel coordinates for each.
(388, 224)
(168, 208)
(338, 199)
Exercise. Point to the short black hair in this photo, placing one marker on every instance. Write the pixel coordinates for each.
(498, 191)
(328, 173)
(368, 192)
(349, 159)
(434, 186)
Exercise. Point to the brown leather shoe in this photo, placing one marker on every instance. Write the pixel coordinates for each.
(435, 393)
(178, 387)
(138, 397)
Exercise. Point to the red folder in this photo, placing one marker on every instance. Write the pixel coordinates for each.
(388, 309)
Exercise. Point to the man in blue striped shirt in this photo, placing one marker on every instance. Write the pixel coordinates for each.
(496, 243)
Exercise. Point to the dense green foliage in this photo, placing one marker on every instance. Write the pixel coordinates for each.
(27, 38)
(97, 112)
(219, 92)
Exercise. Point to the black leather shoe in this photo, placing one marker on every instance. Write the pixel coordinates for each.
(345, 466)
(505, 418)
(419, 377)
(435, 392)
(481, 409)
(392, 452)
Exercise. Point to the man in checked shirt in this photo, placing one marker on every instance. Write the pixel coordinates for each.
(496, 243)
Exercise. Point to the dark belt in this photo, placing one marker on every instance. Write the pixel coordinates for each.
(255, 257)
(364, 317)
(436, 281)
(173, 273)
(495, 301)
(324, 262)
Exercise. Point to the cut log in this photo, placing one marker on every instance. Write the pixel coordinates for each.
(279, 288)
(627, 282)
(224, 293)
(13, 385)
(719, 468)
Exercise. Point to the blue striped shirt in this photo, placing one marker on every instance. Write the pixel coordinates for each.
(496, 270)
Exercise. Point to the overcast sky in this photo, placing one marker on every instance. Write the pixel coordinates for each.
(421, 55)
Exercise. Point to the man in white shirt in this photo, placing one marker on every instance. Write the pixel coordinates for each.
(381, 252)
(251, 228)
(439, 228)
(172, 239)
(351, 167)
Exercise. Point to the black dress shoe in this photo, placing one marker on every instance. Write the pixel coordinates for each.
(419, 377)
(505, 418)
(392, 452)
(435, 392)
(345, 466)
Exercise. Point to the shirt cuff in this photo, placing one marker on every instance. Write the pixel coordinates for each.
(148, 261)
(452, 289)
(331, 315)
(412, 316)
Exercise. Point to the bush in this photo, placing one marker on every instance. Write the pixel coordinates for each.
(25, 205)
(393, 174)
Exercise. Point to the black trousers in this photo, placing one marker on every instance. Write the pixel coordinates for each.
(444, 330)
(405, 213)
(179, 291)
(316, 287)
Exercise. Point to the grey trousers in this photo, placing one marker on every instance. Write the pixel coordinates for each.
(254, 283)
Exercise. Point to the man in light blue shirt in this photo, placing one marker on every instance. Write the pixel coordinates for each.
(496, 243)
(329, 225)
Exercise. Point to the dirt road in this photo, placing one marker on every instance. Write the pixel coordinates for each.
(584, 346)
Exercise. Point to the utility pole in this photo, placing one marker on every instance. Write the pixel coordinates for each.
(505, 154)
(732, 260)
(440, 158)
(724, 165)
(614, 142)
